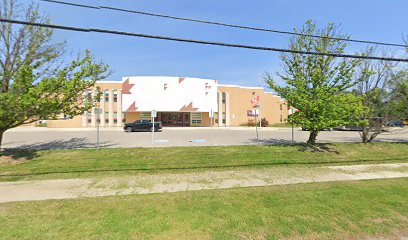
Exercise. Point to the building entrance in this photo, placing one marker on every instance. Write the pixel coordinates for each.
(174, 119)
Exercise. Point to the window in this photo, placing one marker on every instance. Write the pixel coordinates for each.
(224, 117)
(281, 120)
(115, 96)
(106, 93)
(145, 115)
(89, 117)
(216, 117)
(196, 118)
(115, 117)
(106, 117)
(88, 95)
(123, 117)
(224, 97)
(281, 108)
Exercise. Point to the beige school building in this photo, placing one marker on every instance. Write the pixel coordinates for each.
(178, 101)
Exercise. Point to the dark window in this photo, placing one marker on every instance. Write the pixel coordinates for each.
(89, 96)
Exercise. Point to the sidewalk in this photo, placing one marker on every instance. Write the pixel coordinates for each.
(178, 182)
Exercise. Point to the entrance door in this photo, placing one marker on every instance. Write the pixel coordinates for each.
(174, 119)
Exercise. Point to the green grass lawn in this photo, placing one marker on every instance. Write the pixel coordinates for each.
(337, 210)
(91, 162)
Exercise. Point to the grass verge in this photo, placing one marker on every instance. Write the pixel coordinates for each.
(284, 125)
(337, 210)
(54, 164)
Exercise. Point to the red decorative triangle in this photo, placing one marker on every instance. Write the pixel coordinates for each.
(188, 108)
(126, 87)
(181, 79)
(132, 107)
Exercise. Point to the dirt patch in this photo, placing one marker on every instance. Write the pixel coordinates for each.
(7, 160)
(370, 167)
(395, 235)
(5, 208)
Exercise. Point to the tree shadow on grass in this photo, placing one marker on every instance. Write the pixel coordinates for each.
(303, 147)
(318, 147)
(30, 151)
(269, 141)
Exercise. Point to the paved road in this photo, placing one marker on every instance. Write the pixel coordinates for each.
(43, 138)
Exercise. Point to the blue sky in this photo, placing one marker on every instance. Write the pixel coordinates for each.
(376, 20)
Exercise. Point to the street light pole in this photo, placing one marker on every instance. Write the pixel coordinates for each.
(97, 115)
(260, 101)
(97, 130)
(212, 120)
(256, 126)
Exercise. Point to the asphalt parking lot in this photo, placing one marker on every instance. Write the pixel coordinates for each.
(47, 138)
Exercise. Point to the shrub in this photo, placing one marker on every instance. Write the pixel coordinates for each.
(264, 122)
(251, 123)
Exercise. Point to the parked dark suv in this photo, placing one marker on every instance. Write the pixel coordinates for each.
(142, 126)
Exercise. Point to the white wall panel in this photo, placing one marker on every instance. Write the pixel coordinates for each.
(169, 94)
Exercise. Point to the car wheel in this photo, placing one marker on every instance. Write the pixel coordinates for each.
(129, 129)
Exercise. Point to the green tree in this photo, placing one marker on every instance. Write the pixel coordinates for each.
(373, 79)
(34, 83)
(398, 99)
(399, 90)
(317, 85)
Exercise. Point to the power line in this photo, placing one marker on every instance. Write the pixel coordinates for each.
(223, 24)
(96, 30)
